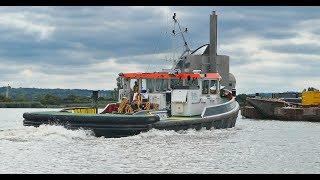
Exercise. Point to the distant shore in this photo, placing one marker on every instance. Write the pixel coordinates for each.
(36, 104)
(101, 104)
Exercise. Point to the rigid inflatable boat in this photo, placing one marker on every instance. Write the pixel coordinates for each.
(197, 92)
(176, 108)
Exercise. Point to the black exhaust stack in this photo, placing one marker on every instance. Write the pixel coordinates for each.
(94, 97)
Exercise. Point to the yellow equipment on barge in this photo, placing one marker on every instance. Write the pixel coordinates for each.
(310, 98)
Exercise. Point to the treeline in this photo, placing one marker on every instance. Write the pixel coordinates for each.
(50, 99)
(21, 105)
(34, 94)
(35, 97)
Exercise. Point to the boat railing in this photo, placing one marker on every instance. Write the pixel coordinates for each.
(219, 108)
(162, 114)
(149, 112)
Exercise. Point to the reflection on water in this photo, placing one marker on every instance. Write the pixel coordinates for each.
(250, 147)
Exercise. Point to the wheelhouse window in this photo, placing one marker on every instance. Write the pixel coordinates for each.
(213, 87)
(205, 87)
(175, 83)
(144, 86)
(156, 85)
(134, 84)
(192, 82)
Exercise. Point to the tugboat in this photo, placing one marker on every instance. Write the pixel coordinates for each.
(197, 92)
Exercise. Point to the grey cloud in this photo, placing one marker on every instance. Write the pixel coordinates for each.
(310, 49)
(135, 36)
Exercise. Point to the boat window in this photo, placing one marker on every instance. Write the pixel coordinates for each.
(205, 86)
(133, 84)
(213, 87)
(176, 83)
(156, 85)
(192, 82)
(149, 85)
(161, 85)
(144, 86)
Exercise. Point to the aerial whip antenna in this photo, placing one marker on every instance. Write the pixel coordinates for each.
(187, 48)
(185, 43)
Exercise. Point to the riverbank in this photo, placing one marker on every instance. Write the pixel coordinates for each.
(35, 104)
(21, 105)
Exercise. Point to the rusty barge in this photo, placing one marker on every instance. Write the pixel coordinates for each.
(282, 109)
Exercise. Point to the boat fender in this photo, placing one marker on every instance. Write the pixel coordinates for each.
(123, 105)
(147, 105)
(128, 109)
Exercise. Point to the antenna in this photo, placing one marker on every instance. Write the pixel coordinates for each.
(187, 48)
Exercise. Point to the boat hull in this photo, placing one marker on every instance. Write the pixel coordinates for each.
(219, 121)
(265, 107)
(110, 125)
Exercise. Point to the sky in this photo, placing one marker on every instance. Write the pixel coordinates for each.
(271, 49)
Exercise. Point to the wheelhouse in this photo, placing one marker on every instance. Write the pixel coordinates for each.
(160, 82)
(183, 94)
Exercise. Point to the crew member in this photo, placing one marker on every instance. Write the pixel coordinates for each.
(136, 87)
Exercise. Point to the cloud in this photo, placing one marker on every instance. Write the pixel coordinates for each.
(26, 24)
(270, 48)
(27, 73)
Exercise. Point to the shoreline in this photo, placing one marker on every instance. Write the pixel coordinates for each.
(36, 104)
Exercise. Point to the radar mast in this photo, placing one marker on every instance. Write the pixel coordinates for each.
(181, 32)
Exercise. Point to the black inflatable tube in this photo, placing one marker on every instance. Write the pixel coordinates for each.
(126, 125)
(90, 119)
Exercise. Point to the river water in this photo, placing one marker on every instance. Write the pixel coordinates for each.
(252, 146)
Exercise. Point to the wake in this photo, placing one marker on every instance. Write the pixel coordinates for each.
(25, 134)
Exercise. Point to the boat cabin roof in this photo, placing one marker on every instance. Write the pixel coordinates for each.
(166, 75)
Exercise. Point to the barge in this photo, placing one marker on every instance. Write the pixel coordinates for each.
(306, 108)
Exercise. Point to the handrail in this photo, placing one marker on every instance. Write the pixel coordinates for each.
(218, 105)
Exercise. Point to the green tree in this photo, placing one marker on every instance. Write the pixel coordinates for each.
(50, 99)
(4, 99)
(84, 99)
(21, 98)
(102, 98)
(71, 98)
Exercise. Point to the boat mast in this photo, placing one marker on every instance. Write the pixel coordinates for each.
(186, 46)
(187, 49)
